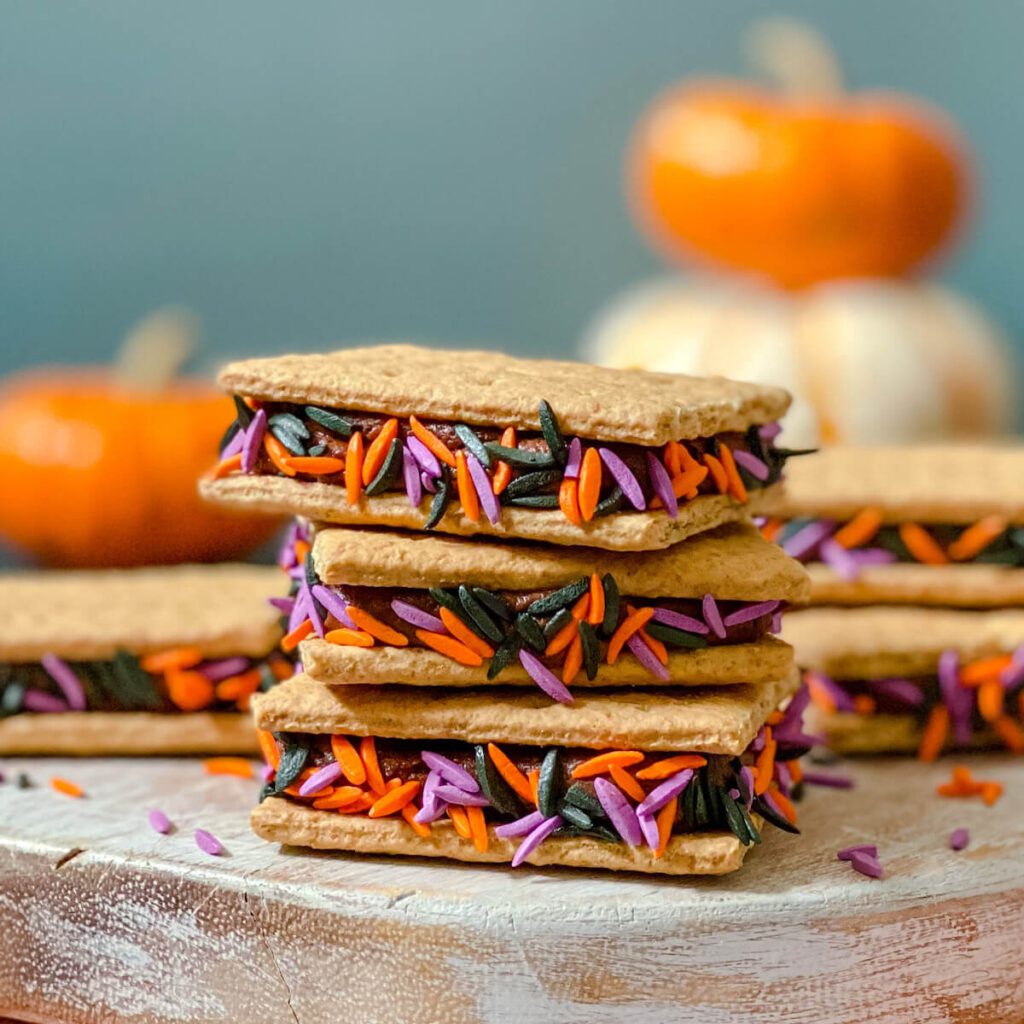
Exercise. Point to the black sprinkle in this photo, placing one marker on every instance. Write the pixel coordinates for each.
(387, 475)
(493, 603)
(484, 624)
(561, 598)
(530, 631)
(520, 456)
(549, 427)
(468, 436)
(440, 503)
(673, 636)
(501, 795)
(332, 421)
(591, 649)
(611, 605)
(504, 654)
(293, 760)
(547, 784)
(529, 483)
(533, 501)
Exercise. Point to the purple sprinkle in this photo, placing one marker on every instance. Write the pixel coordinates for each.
(750, 612)
(872, 556)
(37, 700)
(958, 699)
(322, 777)
(959, 838)
(649, 828)
(450, 771)
(312, 610)
(215, 671)
(426, 459)
(299, 610)
(416, 616)
(713, 617)
(805, 540)
(842, 700)
(71, 686)
(901, 691)
(776, 623)
(770, 431)
(283, 604)
(624, 477)
(544, 677)
(158, 821)
(234, 446)
(411, 476)
(519, 827)
(752, 464)
(747, 774)
(1013, 675)
(454, 795)
(297, 572)
(535, 838)
(680, 621)
(432, 807)
(267, 772)
(662, 484)
(619, 810)
(837, 558)
(428, 483)
(253, 438)
(572, 465)
(831, 781)
(643, 653)
(482, 484)
(867, 865)
(865, 848)
(660, 795)
(334, 603)
(208, 843)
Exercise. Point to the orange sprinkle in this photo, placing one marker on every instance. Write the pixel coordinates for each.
(510, 773)
(977, 537)
(785, 805)
(363, 803)
(1010, 733)
(269, 748)
(670, 765)
(314, 465)
(991, 792)
(963, 784)
(377, 629)
(354, 468)
(477, 827)
(378, 450)
(626, 782)
(985, 670)
(503, 471)
(395, 799)
(320, 794)
(671, 458)
(718, 474)
(279, 455)
(600, 763)
(226, 467)
(291, 640)
(660, 650)
(189, 691)
(581, 609)
(595, 614)
(737, 488)
(66, 787)
(634, 621)
(562, 638)
(573, 660)
(534, 779)
(252, 403)
(368, 754)
(864, 704)
(569, 501)
(685, 484)
(765, 764)
(771, 528)
(432, 441)
(345, 637)
(589, 484)
(464, 634)
(460, 820)
(282, 669)
(236, 688)
(666, 819)
(933, 736)
(348, 758)
(341, 796)
(796, 771)
(774, 718)
(819, 693)
(238, 766)
(468, 498)
(990, 700)
(169, 660)
(860, 529)
(302, 549)
(921, 544)
(409, 812)
(450, 647)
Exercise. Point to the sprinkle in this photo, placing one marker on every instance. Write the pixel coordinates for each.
(322, 777)
(535, 838)
(253, 438)
(805, 540)
(429, 483)
(624, 477)
(712, 616)
(860, 529)
(37, 700)
(290, 641)
(234, 447)
(864, 848)
(431, 441)
(450, 647)
(450, 771)
(208, 842)
(572, 465)
(510, 773)
(416, 616)
(394, 800)
(345, 637)
(958, 701)
(920, 543)
(468, 498)
(660, 795)
(662, 484)
(63, 675)
(769, 431)
(300, 610)
(314, 612)
(459, 797)
(649, 829)
(831, 781)
(377, 629)
(845, 565)
(544, 677)
(977, 537)
(424, 457)
(503, 471)
(482, 483)
(354, 460)
(619, 810)
(368, 753)
(757, 468)
(750, 612)
(589, 484)
(215, 671)
(464, 634)
(600, 763)
(519, 827)
(411, 477)
(959, 838)
(634, 621)
(867, 865)
(670, 765)
(626, 782)
(158, 821)
(679, 621)
(241, 767)
(933, 736)
(643, 653)
(334, 603)
(278, 454)
(67, 788)
(737, 488)
(902, 691)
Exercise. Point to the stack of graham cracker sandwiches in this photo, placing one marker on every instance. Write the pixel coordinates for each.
(533, 619)
(916, 556)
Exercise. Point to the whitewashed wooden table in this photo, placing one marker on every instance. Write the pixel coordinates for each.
(103, 919)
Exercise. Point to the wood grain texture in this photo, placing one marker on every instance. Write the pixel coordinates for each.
(104, 919)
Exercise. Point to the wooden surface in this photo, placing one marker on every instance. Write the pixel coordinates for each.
(104, 919)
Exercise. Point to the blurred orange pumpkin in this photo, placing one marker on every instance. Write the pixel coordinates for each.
(100, 470)
(798, 187)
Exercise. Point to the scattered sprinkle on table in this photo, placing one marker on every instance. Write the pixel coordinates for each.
(863, 858)
(959, 839)
(24, 782)
(159, 821)
(67, 788)
(208, 843)
(238, 766)
(832, 781)
(848, 852)
(963, 784)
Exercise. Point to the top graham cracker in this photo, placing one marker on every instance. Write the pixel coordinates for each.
(923, 483)
(493, 389)
(89, 615)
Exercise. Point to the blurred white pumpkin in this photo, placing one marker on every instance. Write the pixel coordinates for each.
(867, 360)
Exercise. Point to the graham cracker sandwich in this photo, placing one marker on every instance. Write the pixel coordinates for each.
(660, 784)
(482, 443)
(136, 661)
(921, 525)
(423, 610)
(903, 679)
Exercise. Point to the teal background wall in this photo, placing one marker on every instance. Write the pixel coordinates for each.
(300, 173)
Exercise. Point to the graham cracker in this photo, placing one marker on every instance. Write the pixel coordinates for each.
(90, 615)
(281, 821)
(720, 720)
(493, 389)
(849, 733)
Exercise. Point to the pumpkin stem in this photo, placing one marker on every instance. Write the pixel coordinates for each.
(155, 349)
(795, 55)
